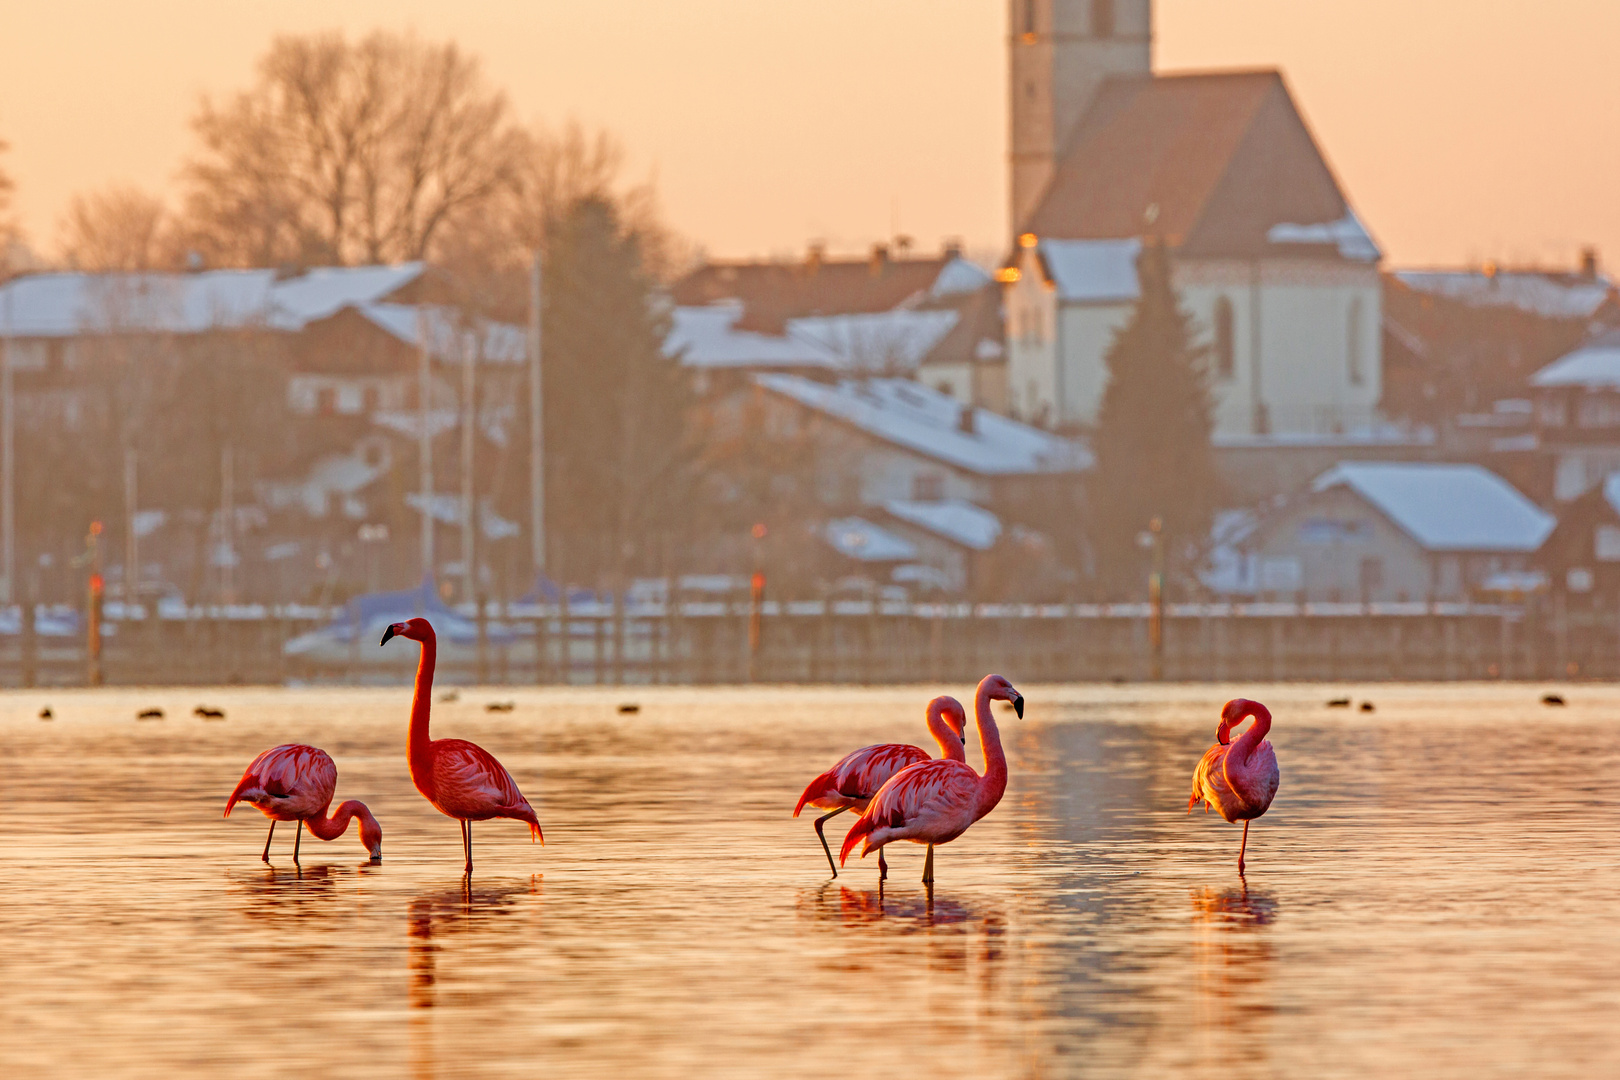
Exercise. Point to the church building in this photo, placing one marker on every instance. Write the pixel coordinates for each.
(1267, 253)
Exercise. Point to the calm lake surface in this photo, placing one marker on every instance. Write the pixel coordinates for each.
(1435, 892)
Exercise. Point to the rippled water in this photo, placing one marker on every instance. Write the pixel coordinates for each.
(1434, 893)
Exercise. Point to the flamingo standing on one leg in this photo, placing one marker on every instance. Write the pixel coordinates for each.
(295, 783)
(850, 784)
(1238, 778)
(934, 802)
(461, 779)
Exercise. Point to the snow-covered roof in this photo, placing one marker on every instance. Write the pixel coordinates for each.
(1611, 491)
(1445, 507)
(927, 422)
(1552, 295)
(1093, 271)
(707, 337)
(882, 341)
(502, 343)
(957, 520)
(1594, 365)
(958, 277)
(70, 304)
(446, 509)
(858, 538)
(1348, 234)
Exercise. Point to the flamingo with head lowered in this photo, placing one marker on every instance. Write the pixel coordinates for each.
(295, 783)
(934, 802)
(1240, 778)
(461, 779)
(850, 784)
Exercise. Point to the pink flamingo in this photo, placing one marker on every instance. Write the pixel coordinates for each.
(461, 779)
(295, 783)
(850, 784)
(1238, 778)
(934, 802)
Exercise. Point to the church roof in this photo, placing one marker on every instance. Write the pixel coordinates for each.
(1217, 164)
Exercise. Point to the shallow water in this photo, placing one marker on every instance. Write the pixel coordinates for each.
(1432, 894)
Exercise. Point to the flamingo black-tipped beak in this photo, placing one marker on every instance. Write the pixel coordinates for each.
(387, 634)
(1018, 706)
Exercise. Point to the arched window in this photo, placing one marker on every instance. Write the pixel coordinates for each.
(1029, 18)
(1225, 339)
(1102, 18)
(1352, 342)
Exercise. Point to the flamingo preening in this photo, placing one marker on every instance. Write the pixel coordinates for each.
(295, 783)
(1240, 778)
(850, 784)
(461, 779)
(934, 802)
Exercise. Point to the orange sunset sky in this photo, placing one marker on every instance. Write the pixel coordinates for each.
(1463, 130)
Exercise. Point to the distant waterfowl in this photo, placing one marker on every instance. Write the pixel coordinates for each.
(1239, 779)
(460, 779)
(296, 783)
(46, 714)
(1339, 703)
(629, 707)
(500, 706)
(449, 696)
(934, 802)
(1366, 706)
(1552, 699)
(149, 714)
(850, 784)
(208, 712)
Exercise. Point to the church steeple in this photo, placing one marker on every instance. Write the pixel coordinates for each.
(1060, 52)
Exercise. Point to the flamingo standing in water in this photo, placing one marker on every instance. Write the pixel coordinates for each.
(1238, 778)
(934, 802)
(295, 783)
(850, 784)
(461, 779)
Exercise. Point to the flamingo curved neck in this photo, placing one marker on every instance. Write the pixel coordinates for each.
(993, 784)
(330, 828)
(1246, 743)
(949, 745)
(420, 745)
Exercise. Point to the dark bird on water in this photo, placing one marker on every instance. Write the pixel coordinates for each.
(1552, 699)
(46, 714)
(629, 707)
(1339, 703)
(149, 714)
(208, 712)
(1366, 706)
(499, 706)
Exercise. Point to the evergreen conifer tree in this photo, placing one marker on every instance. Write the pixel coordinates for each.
(1153, 437)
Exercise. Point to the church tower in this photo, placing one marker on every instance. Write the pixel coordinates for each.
(1060, 51)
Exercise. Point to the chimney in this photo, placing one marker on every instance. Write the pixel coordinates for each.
(966, 422)
(1589, 263)
(952, 248)
(815, 257)
(880, 259)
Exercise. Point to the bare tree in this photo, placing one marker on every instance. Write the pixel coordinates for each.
(14, 254)
(118, 228)
(346, 152)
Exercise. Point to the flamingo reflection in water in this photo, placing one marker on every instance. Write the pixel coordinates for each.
(850, 784)
(296, 783)
(1239, 778)
(461, 779)
(1232, 955)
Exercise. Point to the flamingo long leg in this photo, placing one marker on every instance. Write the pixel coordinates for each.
(928, 867)
(266, 856)
(1243, 847)
(466, 842)
(883, 867)
(823, 837)
(297, 836)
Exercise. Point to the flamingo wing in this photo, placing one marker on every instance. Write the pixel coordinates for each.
(288, 782)
(858, 776)
(931, 802)
(469, 783)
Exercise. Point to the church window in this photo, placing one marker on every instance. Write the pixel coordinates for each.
(1352, 342)
(1102, 18)
(1225, 339)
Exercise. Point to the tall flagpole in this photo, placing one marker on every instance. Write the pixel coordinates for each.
(537, 471)
(424, 454)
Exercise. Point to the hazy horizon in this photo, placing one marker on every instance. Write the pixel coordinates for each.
(1461, 132)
